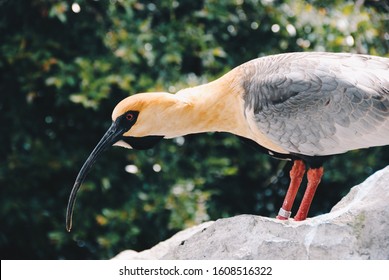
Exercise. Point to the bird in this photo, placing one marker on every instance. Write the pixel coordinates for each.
(303, 107)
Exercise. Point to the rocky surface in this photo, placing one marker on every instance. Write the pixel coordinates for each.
(356, 228)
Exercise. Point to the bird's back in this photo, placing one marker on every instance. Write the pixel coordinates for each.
(319, 104)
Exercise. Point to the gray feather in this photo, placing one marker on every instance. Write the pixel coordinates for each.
(319, 103)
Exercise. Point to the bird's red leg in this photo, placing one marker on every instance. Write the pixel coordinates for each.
(314, 176)
(296, 176)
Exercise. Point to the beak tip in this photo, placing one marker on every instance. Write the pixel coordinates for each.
(68, 225)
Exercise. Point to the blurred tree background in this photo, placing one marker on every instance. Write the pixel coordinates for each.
(65, 64)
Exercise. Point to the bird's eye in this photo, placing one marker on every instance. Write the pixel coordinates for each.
(129, 116)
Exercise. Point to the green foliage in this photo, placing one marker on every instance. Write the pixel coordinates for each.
(65, 64)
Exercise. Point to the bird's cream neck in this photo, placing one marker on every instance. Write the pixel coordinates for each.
(219, 106)
(216, 106)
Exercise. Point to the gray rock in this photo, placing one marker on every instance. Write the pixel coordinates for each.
(159, 250)
(356, 228)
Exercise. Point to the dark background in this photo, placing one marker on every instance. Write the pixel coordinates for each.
(61, 73)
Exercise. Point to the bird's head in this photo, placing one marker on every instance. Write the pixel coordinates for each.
(137, 123)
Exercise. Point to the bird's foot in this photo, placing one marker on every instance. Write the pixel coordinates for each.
(283, 214)
(300, 217)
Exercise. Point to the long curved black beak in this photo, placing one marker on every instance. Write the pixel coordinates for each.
(113, 134)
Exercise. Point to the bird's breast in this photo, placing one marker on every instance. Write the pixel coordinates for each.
(251, 131)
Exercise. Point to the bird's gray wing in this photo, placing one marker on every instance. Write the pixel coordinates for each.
(319, 104)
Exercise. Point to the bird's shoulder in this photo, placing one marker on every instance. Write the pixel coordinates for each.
(278, 77)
